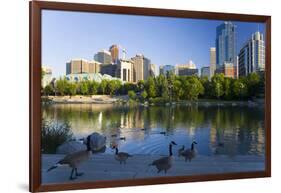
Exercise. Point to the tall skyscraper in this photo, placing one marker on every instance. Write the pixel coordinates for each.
(114, 50)
(226, 44)
(213, 61)
(152, 70)
(103, 57)
(252, 55)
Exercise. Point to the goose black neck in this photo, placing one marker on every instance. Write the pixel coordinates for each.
(116, 150)
(88, 146)
(192, 146)
(170, 150)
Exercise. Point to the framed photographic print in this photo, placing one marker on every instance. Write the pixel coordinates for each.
(123, 96)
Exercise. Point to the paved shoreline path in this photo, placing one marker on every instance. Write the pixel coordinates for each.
(105, 167)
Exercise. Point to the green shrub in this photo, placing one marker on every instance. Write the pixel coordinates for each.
(53, 135)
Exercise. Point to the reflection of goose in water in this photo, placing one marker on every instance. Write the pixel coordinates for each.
(189, 154)
(164, 163)
(73, 160)
(180, 150)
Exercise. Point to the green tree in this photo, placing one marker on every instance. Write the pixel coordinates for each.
(217, 85)
(84, 87)
(177, 90)
(141, 85)
(103, 86)
(144, 95)
(132, 95)
(207, 87)
(150, 87)
(240, 89)
(193, 88)
(113, 86)
(72, 89)
(161, 84)
(253, 82)
(227, 87)
(48, 90)
(61, 86)
(93, 87)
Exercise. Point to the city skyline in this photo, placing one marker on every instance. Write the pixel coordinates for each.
(165, 41)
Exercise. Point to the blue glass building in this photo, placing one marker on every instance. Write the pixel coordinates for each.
(226, 44)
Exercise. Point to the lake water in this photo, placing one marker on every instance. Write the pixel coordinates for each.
(148, 130)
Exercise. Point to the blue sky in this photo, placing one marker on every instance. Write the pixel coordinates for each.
(164, 40)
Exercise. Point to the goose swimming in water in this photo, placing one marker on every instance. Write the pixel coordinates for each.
(73, 160)
(164, 163)
(180, 150)
(189, 154)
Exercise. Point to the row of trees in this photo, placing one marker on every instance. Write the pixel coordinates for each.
(167, 88)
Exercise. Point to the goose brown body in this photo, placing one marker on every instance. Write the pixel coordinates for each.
(164, 163)
(121, 156)
(189, 154)
(73, 160)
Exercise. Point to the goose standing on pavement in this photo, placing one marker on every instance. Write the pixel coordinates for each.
(189, 154)
(121, 156)
(164, 163)
(73, 160)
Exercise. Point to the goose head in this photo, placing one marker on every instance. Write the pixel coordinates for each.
(173, 143)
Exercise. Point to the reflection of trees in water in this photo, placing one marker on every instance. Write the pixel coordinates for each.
(232, 129)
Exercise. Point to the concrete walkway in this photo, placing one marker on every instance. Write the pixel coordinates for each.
(105, 167)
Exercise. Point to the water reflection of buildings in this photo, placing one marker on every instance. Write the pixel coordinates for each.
(231, 141)
(240, 130)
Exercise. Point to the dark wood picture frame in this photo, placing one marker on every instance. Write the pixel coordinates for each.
(35, 82)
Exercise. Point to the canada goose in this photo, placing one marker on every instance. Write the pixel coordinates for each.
(123, 138)
(163, 133)
(73, 160)
(189, 153)
(121, 156)
(164, 163)
(180, 150)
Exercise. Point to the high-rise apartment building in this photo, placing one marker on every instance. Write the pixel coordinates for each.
(252, 55)
(213, 61)
(152, 70)
(141, 67)
(114, 50)
(103, 57)
(76, 66)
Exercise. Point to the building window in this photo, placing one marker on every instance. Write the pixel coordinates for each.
(124, 74)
